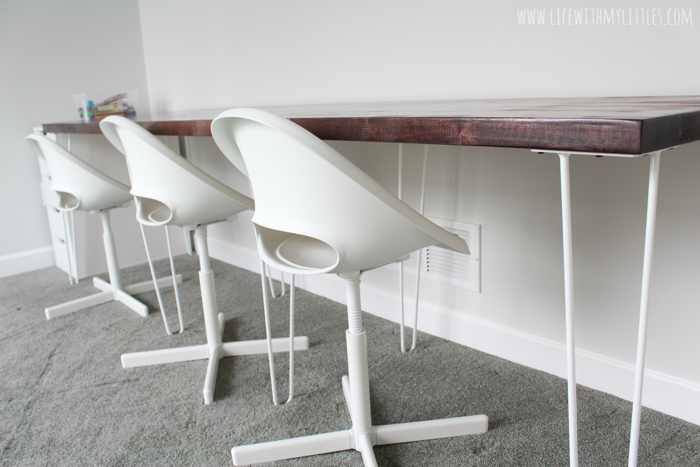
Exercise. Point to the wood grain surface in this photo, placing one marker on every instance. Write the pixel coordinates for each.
(623, 125)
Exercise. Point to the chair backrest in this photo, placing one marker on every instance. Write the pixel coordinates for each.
(168, 188)
(317, 212)
(77, 183)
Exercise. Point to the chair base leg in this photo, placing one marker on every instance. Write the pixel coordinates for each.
(212, 353)
(293, 448)
(78, 304)
(109, 294)
(345, 440)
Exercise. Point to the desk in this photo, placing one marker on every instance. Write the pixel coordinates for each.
(622, 126)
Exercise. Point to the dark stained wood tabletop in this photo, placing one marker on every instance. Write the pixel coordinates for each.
(615, 125)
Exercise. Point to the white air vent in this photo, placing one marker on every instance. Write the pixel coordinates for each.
(449, 267)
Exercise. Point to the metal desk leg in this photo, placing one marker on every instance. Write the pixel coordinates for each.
(644, 307)
(569, 301)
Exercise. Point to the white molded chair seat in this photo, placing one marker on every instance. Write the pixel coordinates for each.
(318, 213)
(169, 190)
(80, 186)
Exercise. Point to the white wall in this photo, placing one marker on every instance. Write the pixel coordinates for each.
(49, 51)
(219, 54)
(308, 51)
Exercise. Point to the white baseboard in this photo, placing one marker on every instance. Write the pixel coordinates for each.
(26, 261)
(667, 394)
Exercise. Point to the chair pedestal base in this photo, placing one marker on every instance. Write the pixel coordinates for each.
(362, 436)
(109, 294)
(211, 352)
(345, 440)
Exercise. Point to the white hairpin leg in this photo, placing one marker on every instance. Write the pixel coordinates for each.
(173, 274)
(268, 334)
(402, 306)
(363, 435)
(569, 304)
(112, 290)
(215, 348)
(292, 287)
(74, 249)
(69, 247)
(156, 282)
(69, 232)
(266, 272)
(644, 306)
(420, 252)
(403, 309)
(401, 294)
(71, 255)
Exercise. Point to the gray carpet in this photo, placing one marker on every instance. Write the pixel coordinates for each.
(66, 401)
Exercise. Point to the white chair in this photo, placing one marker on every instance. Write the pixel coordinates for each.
(169, 190)
(79, 186)
(318, 213)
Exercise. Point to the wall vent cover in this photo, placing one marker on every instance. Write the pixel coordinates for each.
(449, 267)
